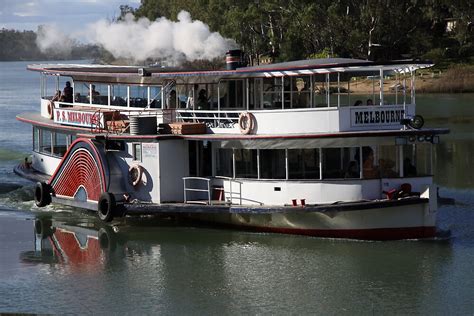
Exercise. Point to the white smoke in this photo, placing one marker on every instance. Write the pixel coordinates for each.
(142, 39)
(51, 40)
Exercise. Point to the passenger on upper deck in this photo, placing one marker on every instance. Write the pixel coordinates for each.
(57, 96)
(202, 101)
(67, 95)
(357, 103)
(172, 100)
(370, 102)
(93, 92)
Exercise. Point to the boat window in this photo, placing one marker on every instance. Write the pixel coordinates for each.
(155, 97)
(184, 94)
(417, 160)
(50, 84)
(303, 163)
(370, 168)
(81, 92)
(272, 88)
(272, 164)
(36, 139)
(297, 92)
(137, 152)
(232, 94)
(387, 162)
(45, 142)
(255, 91)
(245, 163)
(423, 159)
(99, 93)
(212, 96)
(60, 142)
(118, 95)
(341, 163)
(138, 96)
(203, 97)
(319, 91)
(224, 162)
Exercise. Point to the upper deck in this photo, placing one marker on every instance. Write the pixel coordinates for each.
(301, 97)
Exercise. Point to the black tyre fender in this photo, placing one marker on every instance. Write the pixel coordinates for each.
(106, 206)
(42, 194)
(44, 228)
(106, 239)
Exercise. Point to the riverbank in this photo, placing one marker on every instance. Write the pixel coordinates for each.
(457, 79)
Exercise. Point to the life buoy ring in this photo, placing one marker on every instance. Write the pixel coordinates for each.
(135, 174)
(50, 110)
(246, 122)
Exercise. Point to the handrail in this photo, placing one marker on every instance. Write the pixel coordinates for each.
(198, 190)
(231, 180)
(208, 181)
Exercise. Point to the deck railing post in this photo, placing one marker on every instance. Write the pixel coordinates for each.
(240, 192)
(209, 192)
(184, 190)
(230, 185)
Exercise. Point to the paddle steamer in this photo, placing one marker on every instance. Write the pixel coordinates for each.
(284, 147)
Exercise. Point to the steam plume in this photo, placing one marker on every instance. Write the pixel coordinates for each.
(140, 40)
(51, 40)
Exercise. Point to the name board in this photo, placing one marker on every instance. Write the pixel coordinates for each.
(79, 118)
(149, 150)
(376, 116)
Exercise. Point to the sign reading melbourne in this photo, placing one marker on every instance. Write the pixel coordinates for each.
(78, 118)
(376, 115)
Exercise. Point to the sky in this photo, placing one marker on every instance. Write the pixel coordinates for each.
(67, 15)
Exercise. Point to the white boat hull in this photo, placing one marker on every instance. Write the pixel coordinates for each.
(397, 222)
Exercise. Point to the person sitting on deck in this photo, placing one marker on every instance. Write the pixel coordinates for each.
(67, 95)
(358, 103)
(57, 96)
(370, 102)
(386, 168)
(352, 171)
(369, 171)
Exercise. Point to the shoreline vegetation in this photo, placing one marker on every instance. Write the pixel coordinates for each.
(455, 79)
(277, 31)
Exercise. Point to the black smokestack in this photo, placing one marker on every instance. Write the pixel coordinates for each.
(234, 59)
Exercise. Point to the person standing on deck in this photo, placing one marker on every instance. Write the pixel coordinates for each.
(67, 95)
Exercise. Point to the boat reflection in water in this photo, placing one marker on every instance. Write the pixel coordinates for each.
(79, 245)
(213, 270)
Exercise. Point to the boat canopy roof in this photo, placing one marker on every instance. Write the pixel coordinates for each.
(346, 67)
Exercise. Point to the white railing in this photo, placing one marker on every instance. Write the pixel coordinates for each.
(212, 119)
(204, 185)
(231, 191)
(197, 179)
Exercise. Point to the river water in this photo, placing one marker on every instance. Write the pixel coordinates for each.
(151, 266)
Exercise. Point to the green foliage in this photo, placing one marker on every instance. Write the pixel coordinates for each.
(373, 29)
(296, 29)
(325, 53)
